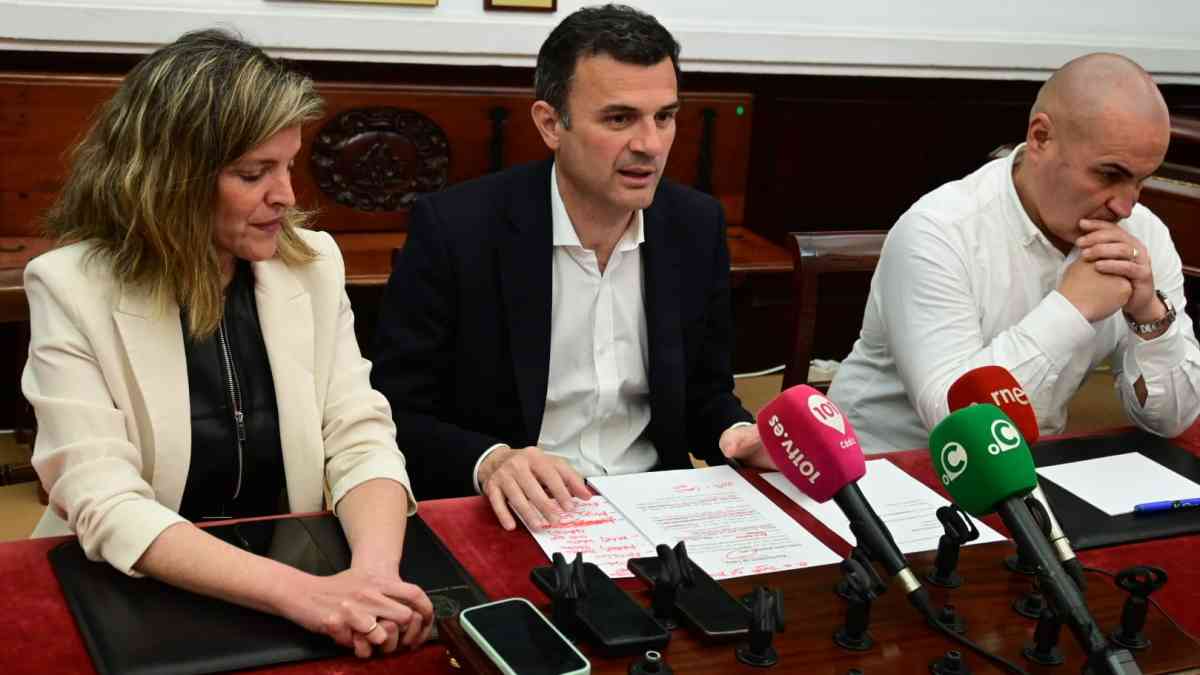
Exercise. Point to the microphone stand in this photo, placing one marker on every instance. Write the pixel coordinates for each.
(1064, 594)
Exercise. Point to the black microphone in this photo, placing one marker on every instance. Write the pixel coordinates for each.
(986, 467)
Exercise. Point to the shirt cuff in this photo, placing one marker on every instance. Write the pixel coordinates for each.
(1058, 328)
(475, 471)
(136, 523)
(1156, 356)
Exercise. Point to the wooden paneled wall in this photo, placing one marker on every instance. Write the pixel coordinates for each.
(788, 152)
(419, 138)
(823, 152)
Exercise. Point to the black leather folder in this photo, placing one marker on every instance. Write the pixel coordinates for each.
(144, 627)
(1089, 527)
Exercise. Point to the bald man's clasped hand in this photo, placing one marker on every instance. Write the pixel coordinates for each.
(1123, 264)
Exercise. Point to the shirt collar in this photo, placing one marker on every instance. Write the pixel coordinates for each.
(1030, 232)
(564, 230)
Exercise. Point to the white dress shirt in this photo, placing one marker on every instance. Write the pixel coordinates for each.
(966, 279)
(598, 397)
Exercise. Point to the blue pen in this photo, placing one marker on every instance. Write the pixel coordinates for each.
(1169, 505)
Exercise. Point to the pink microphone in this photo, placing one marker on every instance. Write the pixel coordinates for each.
(814, 446)
(811, 442)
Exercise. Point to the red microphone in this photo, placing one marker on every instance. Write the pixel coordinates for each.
(814, 446)
(996, 385)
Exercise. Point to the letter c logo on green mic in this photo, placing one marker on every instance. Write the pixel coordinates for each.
(979, 454)
(954, 459)
(1006, 436)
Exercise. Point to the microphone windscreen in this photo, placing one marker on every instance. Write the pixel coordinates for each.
(811, 442)
(995, 385)
(981, 458)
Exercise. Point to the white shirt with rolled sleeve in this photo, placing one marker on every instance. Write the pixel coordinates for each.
(598, 394)
(966, 279)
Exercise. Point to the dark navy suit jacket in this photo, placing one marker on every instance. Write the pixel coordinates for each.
(463, 343)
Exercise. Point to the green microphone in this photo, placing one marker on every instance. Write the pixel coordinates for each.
(981, 458)
(983, 461)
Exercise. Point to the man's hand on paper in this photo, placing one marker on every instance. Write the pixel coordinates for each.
(744, 444)
(538, 486)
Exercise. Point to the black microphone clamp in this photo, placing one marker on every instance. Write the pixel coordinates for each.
(1044, 649)
(958, 530)
(766, 619)
(570, 588)
(675, 571)
(1139, 581)
(844, 587)
(860, 586)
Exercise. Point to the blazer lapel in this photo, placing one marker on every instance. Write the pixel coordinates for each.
(660, 271)
(153, 341)
(285, 316)
(526, 269)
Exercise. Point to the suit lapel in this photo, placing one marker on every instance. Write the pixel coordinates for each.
(526, 260)
(286, 318)
(660, 271)
(153, 341)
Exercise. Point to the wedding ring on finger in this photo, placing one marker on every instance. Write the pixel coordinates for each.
(374, 625)
(1135, 254)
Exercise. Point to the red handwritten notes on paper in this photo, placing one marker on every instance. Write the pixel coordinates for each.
(597, 530)
(731, 529)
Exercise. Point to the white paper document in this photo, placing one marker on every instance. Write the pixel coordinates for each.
(597, 530)
(1115, 484)
(730, 528)
(906, 506)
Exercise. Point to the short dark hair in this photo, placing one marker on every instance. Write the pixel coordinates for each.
(622, 32)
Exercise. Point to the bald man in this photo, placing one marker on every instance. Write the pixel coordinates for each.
(1041, 262)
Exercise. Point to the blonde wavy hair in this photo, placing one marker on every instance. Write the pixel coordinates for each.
(143, 181)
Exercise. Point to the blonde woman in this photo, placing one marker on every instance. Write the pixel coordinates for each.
(193, 353)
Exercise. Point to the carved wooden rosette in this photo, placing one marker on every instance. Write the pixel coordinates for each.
(380, 159)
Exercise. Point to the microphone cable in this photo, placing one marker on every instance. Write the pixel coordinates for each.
(996, 659)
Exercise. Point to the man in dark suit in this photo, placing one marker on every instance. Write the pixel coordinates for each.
(568, 317)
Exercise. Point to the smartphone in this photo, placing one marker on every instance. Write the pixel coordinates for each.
(520, 641)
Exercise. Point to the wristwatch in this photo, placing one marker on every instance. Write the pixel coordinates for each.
(1158, 324)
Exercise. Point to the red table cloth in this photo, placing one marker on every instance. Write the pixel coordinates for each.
(38, 633)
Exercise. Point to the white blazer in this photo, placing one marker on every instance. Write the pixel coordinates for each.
(107, 378)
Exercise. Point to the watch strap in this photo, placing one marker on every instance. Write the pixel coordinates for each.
(1157, 325)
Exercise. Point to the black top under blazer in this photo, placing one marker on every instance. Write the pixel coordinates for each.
(463, 344)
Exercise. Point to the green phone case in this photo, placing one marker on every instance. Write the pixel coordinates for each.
(464, 619)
